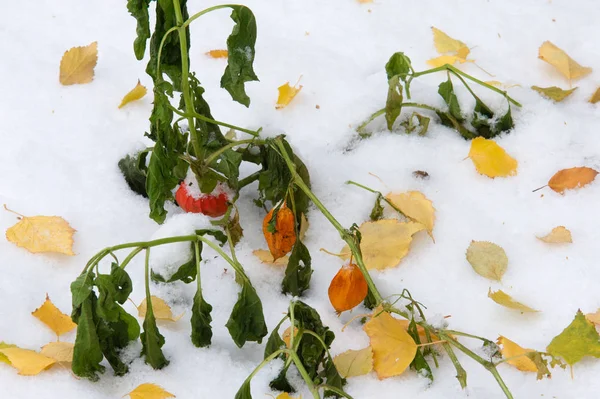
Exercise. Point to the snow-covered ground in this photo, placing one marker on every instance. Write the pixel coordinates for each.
(60, 146)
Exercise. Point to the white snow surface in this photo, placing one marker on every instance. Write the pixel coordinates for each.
(60, 147)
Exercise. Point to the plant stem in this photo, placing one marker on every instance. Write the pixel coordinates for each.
(362, 126)
(461, 374)
(209, 159)
(205, 11)
(130, 257)
(236, 265)
(264, 363)
(213, 121)
(160, 48)
(336, 390)
(197, 255)
(147, 281)
(311, 385)
(390, 203)
(249, 179)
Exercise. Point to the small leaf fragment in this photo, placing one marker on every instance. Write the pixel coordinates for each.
(78, 63)
(134, 94)
(502, 298)
(578, 340)
(51, 316)
(416, 206)
(558, 235)
(286, 94)
(595, 97)
(353, 363)
(3, 358)
(265, 257)
(162, 311)
(567, 66)
(567, 179)
(487, 259)
(60, 351)
(516, 355)
(149, 391)
(26, 361)
(217, 53)
(554, 93)
(490, 159)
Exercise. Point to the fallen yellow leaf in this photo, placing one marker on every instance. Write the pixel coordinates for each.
(149, 391)
(554, 93)
(136, 93)
(571, 178)
(218, 53)
(384, 242)
(416, 206)
(286, 94)
(561, 61)
(595, 97)
(393, 348)
(502, 298)
(42, 234)
(3, 358)
(26, 361)
(51, 316)
(161, 310)
(78, 63)
(516, 355)
(490, 159)
(559, 234)
(285, 395)
(266, 257)
(445, 44)
(487, 259)
(59, 351)
(446, 59)
(353, 363)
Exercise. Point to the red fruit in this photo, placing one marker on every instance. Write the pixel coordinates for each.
(213, 205)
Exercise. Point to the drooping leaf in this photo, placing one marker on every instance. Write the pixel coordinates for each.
(490, 159)
(487, 259)
(567, 66)
(26, 361)
(578, 340)
(398, 65)
(377, 211)
(149, 391)
(247, 321)
(201, 319)
(78, 63)
(286, 94)
(42, 234)
(353, 363)
(567, 179)
(281, 383)
(60, 351)
(87, 353)
(115, 335)
(393, 104)
(52, 317)
(502, 298)
(244, 392)
(419, 363)
(298, 271)
(186, 272)
(134, 94)
(446, 91)
(152, 340)
(554, 93)
(139, 10)
(516, 355)
(416, 206)
(274, 343)
(558, 235)
(134, 170)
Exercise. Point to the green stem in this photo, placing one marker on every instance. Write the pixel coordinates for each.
(390, 203)
(147, 281)
(249, 179)
(361, 128)
(131, 256)
(462, 334)
(236, 265)
(160, 48)
(197, 254)
(205, 11)
(311, 385)
(213, 121)
(208, 160)
(264, 363)
(461, 374)
(336, 390)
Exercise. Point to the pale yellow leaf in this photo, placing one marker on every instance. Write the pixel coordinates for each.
(446, 59)
(286, 94)
(59, 351)
(26, 361)
(51, 316)
(78, 63)
(285, 395)
(135, 94)
(3, 358)
(161, 310)
(556, 57)
(487, 259)
(445, 44)
(554, 93)
(416, 206)
(149, 391)
(353, 363)
(502, 298)
(384, 242)
(559, 234)
(218, 53)
(365, 1)
(393, 348)
(595, 97)
(490, 159)
(266, 257)
(516, 355)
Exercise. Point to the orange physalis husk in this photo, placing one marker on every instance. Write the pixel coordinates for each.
(348, 288)
(283, 239)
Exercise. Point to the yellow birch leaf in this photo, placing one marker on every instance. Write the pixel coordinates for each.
(416, 206)
(490, 159)
(446, 59)
(149, 391)
(286, 94)
(516, 355)
(42, 234)
(26, 361)
(561, 61)
(136, 93)
(596, 97)
(161, 310)
(3, 358)
(558, 235)
(218, 53)
(393, 348)
(353, 363)
(59, 351)
(384, 242)
(285, 395)
(51, 316)
(554, 93)
(502, 298)
(78, 63)
(487, 259)
(265, 257)
(445, 44)
(567, 179)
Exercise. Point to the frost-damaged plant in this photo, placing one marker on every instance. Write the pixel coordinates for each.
(482, 123)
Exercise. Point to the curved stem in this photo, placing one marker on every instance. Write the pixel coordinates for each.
(208, 160)
(147, 281)
(362, 126)
(160, 48)
(249, 179)
(336, 390)
(213, 121)
(236, 265)
(205, 11)
(311, 385)
(131, 256)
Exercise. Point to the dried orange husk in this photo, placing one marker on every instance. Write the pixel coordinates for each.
(282, 240)
(348, 288)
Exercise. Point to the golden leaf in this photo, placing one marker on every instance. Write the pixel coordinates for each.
(28, 362)
(136, 93)
(3, 358)
(51, 316)
(445, 44)
(353, 363)
(416, 206)
(561, 61)
(218, 53)
(516, 355)
(393, 348)
(384, 242)
(554, 93)
(287, 336)
(285, 395)
(567, 179)
(78, 63)
(502, 298)
(161, 310)
(487, 259)
(149, 391)
(559, 234)
(490, 159)
(446, 59)
(42, 234)
(286, 94)
(266, 257)
(595, 97)
(59, 351)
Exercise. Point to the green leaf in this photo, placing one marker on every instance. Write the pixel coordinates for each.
(139, 10)
(114, 336)
(240, 47)
(419, 364)
(332, 378)
(281, 383)
(505, 123)
(244, 392)
(554, 93)
(152, 340)
(398, 65)
(446, 90)
(274, 343)
(393, 105)
(298, 271)
(201, 329)
(377, 211)
(186, 272)
(448, 120)
(134, 171)
(578, 340)
(370, 302)
(87, 353)
(247, 321)
(483, 109)
(114, 288)
(81, 289)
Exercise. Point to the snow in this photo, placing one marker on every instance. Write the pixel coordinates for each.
(60, 147)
